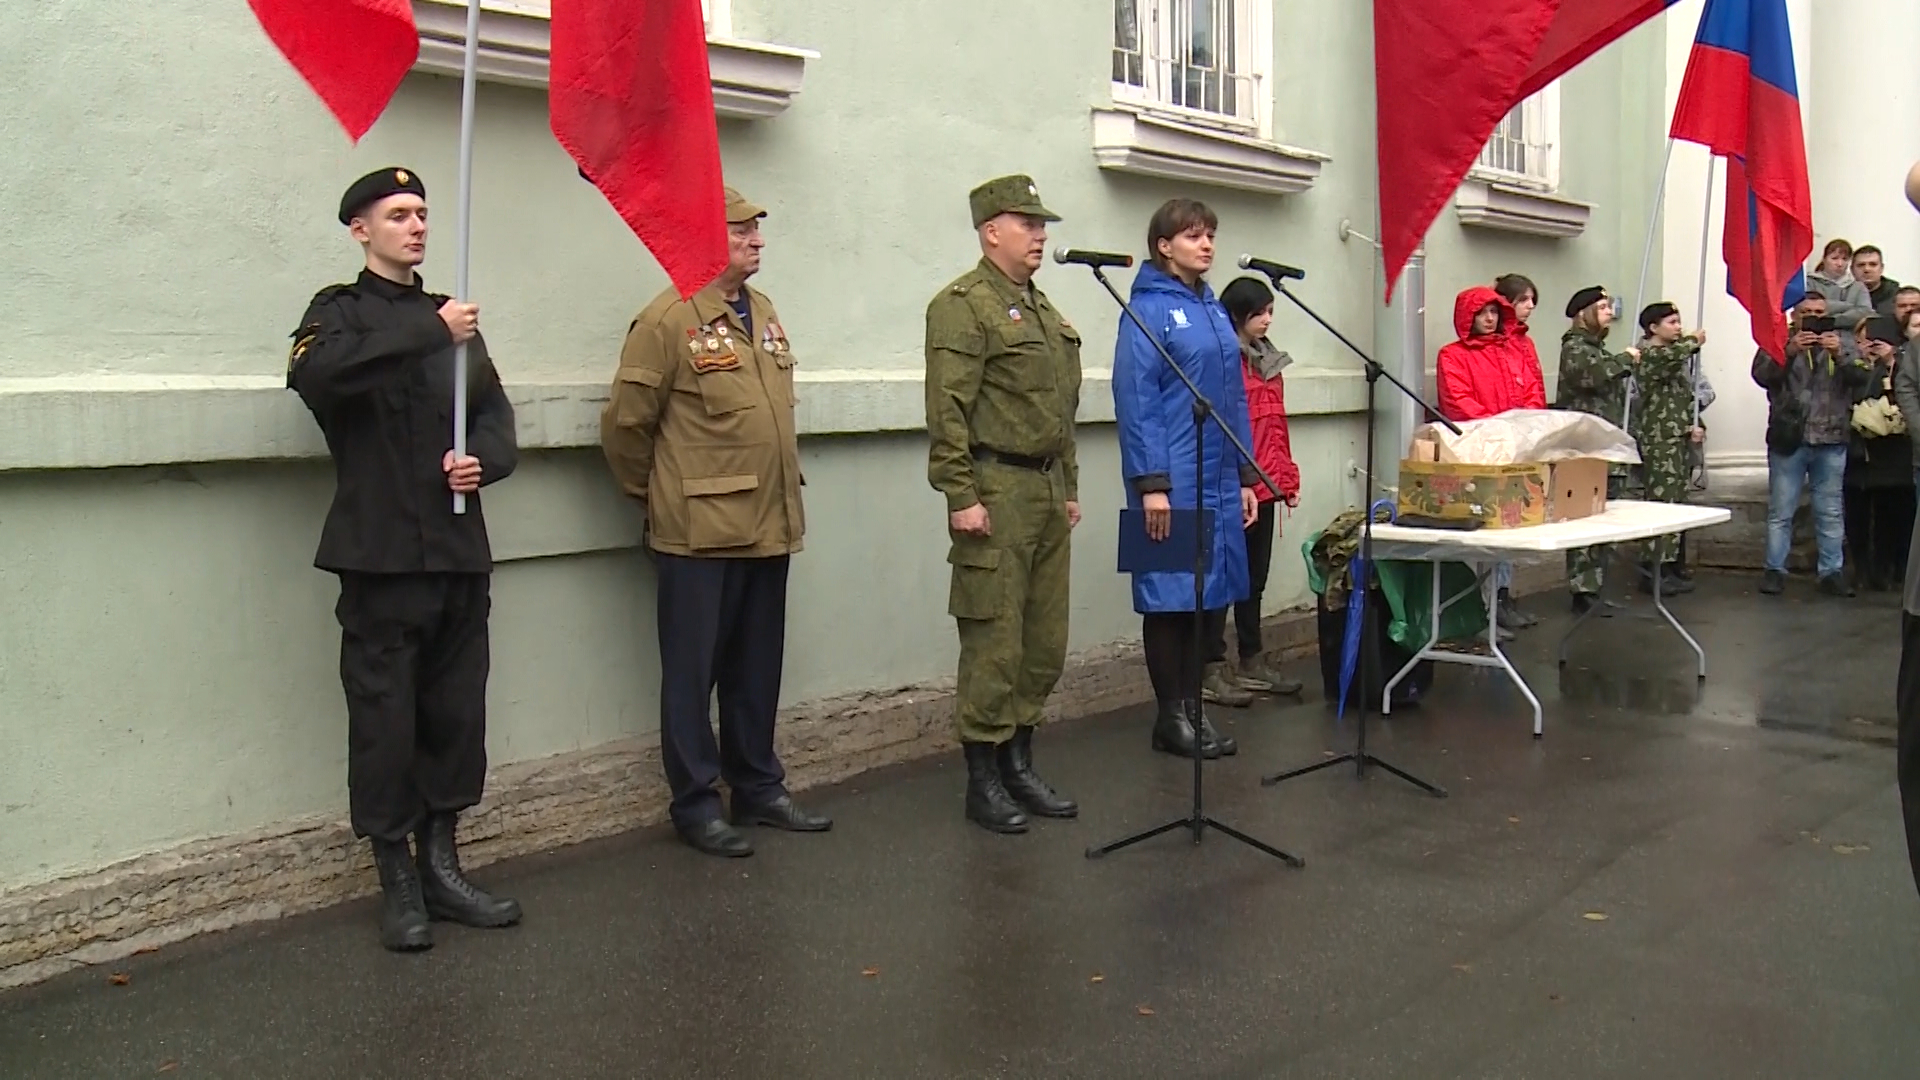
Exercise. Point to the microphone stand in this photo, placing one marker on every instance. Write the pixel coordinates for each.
(1196, 820)
(1359, 755)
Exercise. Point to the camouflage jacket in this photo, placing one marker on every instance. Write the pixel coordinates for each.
(1663, 391)
(1592, 380)
(1003, 373)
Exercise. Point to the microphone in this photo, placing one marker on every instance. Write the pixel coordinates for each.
(1095, 259)
(1274, 270)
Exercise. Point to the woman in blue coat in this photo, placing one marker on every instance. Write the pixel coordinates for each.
(1155, 414)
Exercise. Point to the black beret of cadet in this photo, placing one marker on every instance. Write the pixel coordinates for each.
(377, 185)
(1657, 313)
(1585, 299)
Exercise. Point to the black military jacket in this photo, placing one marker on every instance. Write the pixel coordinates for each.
(374, 363)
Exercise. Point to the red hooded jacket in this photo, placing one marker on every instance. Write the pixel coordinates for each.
(1272, 446)
(1488, 374)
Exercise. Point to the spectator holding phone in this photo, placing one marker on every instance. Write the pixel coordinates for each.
(1879, 484)
(1809, 421)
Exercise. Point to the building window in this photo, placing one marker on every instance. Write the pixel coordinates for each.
(1202, 59)
(1525, 148)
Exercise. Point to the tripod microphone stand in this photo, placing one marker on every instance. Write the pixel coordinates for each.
(1359, 755)
(1196, 820)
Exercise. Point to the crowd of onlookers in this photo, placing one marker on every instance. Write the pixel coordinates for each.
(1835, 429)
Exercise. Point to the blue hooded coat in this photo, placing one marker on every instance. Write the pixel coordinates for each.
(1155, 418)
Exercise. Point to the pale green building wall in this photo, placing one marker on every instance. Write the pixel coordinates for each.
(168, 659)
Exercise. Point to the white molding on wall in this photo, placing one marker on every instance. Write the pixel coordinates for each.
(1489, 204)
(116, 421)
(751, 80)
(1137, 141)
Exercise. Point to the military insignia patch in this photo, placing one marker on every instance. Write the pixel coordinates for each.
(303, 340)
(399, 176)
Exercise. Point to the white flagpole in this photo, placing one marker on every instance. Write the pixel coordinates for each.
(467, 83)
(1646, 259)
(1700, 304)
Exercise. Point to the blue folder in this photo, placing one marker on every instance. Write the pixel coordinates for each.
(1141, 555)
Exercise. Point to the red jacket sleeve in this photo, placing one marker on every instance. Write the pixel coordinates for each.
(1284, 470)
(1457, 398)
(1533, 392)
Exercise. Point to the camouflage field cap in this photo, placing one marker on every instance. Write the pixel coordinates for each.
(1007, 195)
(739, 210)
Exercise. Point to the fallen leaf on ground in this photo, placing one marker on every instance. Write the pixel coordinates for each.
(1513, 821)
(1849, 849)
(167, 1066)
(145, 951)
(119, 978)
(870, 972)
(1143, 1010)
(1595, 916)
(1586, 759)
(1098, 979)
(1468, 968)
(1555, 998)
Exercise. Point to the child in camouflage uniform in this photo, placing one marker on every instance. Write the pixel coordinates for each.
(1593, 380)
(1662, 394)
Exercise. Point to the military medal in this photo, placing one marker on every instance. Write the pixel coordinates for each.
(1013, 313)
(713, 343)
(693, 341)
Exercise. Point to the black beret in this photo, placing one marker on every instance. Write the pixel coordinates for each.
(377, 185)
(1656, 313)
(1585, 299)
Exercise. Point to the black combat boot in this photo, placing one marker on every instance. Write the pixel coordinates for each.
(1509, 614)
(449, 894)
(403, 911)
(988, 804)
(1026, 787)
(1210, 738)
(1173, 732)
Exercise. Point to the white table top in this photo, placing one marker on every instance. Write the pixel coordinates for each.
(1622, 520)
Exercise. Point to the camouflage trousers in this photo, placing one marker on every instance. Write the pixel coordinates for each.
(1662, 477)
(1587, 567)
(1009, 599)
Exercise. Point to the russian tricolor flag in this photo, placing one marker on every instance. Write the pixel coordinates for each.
(1740, 99)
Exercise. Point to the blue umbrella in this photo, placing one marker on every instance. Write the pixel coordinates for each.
(1357, 571)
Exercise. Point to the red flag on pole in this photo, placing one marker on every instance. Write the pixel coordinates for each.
(631, 99)
(352, 52)
(1447, 71)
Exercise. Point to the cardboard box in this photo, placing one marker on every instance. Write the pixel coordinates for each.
(1504, 496)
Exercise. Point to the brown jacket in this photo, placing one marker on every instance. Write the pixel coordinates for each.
(699, 427)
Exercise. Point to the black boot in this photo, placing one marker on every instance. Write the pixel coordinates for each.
(1210, 738)
(1508, 613)
(1017, 775)
(403, 911)
(449, 894)
(1173, 732)
(988, 804)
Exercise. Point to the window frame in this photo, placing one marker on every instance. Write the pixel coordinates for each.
(1541, 111)
(1253, 49)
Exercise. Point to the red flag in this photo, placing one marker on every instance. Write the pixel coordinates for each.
(631, 99)
(1446, 73)
(352, 52)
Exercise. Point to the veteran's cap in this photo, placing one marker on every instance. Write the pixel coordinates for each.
(739, 210)
(1007, 195)
(377, 185)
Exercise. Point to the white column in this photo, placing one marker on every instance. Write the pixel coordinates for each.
(1861, 136)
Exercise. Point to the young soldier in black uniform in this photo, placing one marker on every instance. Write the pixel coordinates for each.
(374, 362)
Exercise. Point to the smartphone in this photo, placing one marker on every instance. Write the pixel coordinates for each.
(1817, 324)
(1885, 328)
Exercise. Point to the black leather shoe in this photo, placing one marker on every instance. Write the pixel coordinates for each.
(449, 895)
(781, 813)
(1226, 745)
(1173, 733)
(1015, 758)
(403, 911)
(988, 804)
(715, 837)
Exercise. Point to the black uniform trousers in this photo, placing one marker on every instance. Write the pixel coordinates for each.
(1907, 753)
(1246, 613)
(414, 662)
(723, 625)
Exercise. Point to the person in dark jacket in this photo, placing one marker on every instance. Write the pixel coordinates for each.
(1809, 410)
(1154, 413)
(1249, 303)
(1879, 499)
(374, 362)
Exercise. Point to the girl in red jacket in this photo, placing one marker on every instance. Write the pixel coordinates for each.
(1519, 291)
(1249, 304)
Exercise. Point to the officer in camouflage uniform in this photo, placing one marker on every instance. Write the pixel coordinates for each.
(1592, 380)
(1663, 423)
(1003, 385)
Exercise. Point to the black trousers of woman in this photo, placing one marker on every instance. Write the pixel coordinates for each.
(1246, 613)
(1879, 523)
(1175, 669)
